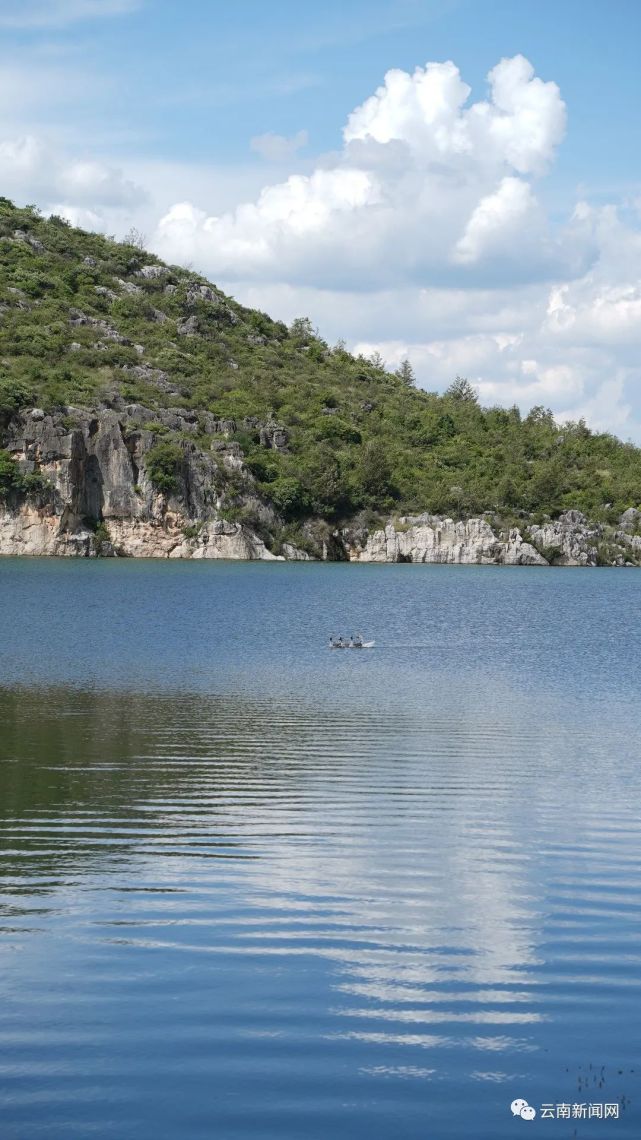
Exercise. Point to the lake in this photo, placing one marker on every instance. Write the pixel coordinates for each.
(252, 888)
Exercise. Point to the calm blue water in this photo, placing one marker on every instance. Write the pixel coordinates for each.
(251, 888)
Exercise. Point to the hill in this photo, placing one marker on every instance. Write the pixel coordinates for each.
(229, 415)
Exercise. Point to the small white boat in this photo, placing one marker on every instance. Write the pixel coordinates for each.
(350, 643)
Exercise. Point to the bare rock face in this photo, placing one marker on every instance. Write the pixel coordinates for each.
(108, 294)
(167, 538)
(294, 553)
(569, 540)
(274, 436)
(32, 531)
(153, 272)
(128, 287)
(630, 519)
(96, 472)
(427, 538)
(188, 327)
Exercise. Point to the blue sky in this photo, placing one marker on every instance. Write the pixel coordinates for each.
(200, 80)
(176, 118)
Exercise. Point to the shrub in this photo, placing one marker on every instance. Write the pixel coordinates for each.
(289, 497)
(10, 478)
(103, 537)
(163, 463)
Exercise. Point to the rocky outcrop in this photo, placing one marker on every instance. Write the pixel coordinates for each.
(274, 436)
(630, 520)
(427, 538)
(98, 497)
(569, 540)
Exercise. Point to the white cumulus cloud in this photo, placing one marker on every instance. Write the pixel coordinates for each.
(34, 168)
(519, 126)
(427, 187)
(498, 221)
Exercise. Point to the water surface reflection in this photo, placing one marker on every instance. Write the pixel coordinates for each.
(275, 917)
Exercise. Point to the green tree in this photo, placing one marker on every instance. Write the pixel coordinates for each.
(405, 372)
(163, 462)
(289, 497)
(374, 471)
(461, 389)
(323, 479)
(9, 473)
(302, 329)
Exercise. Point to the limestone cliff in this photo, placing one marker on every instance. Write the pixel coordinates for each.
(98, 496)
(95, 496)
(569, 540)
(427, 538)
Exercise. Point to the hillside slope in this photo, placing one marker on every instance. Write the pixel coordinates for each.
(138, 401)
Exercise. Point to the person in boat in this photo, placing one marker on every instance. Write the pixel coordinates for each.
(357, 641)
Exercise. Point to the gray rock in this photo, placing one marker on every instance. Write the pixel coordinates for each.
(128, 287)
(571, 539)
(630, 519)
(78, 319)
(95, 466)
(188, 326)
(223, 313)
(225, 447)
(225, 427)
(28, 239)
(294, 553)
(150, 375)
(153, 272)
(202, 293)
(274, 436)
(102, 291)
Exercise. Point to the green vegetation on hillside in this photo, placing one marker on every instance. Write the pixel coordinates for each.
(84, 318)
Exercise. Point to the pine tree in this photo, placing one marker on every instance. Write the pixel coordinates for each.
(405, 372)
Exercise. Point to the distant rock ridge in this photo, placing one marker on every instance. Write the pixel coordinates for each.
(96, 496)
